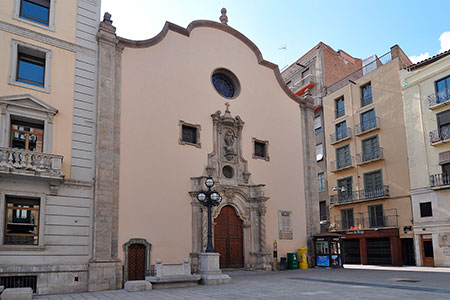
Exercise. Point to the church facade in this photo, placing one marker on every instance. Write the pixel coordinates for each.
(189, 104)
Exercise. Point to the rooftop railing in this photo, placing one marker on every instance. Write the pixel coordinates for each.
(367, 68)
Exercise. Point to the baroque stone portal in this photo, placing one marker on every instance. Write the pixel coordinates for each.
(229, 170)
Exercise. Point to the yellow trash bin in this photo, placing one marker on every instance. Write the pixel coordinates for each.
(302, 258)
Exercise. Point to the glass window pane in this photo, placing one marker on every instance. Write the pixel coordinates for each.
(31, 73)
(34, 12)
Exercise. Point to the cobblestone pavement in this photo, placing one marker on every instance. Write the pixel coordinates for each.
(349, 283)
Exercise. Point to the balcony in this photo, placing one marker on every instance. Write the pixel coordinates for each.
(364, 221)
(369, 156)
(439, 99)
(359, 196)
(368, 126)
(29, 163)
(440, 136)
(342, 136)
(338, 165)
(299, 86)
(439, 181)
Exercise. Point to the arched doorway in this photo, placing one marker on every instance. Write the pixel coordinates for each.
(228, 240)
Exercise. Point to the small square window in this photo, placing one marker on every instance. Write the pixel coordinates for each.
(189, 134)
(260, 149)
(425, 210)
(35, 10)
(22, 221)
(30, 66)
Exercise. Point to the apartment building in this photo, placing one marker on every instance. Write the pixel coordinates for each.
(48, 81)
(319, 67)
(426, 95)
(367, 162)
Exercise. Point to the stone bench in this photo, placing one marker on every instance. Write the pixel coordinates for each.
(167, 276)
(17, 294)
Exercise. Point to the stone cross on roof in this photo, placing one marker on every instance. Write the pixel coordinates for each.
(223, 18)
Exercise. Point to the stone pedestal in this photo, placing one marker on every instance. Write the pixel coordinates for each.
(209, 270)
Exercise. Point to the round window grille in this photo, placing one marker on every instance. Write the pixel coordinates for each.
(228, 172)
(225, 83)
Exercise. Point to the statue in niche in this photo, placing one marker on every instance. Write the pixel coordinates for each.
(229, 139)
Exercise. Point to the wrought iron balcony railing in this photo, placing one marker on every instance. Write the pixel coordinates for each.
(364, 221)
(367, 126)
(30, 163)
(440, 135)
(340, 136)
(438, 98)
(338, 165)
(358, 196)
(368, 156)
(442, 179)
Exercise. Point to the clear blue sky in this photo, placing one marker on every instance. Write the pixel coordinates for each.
(361, 28)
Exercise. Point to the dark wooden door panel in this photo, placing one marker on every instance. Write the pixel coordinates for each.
(228, 238)
(136, 262)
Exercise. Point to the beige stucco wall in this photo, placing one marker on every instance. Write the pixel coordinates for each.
(423, 158)
(65, 18)
(171, 81)
(62, 74)
(388, 106)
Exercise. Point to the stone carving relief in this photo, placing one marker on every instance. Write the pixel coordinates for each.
(444, 239)
(228, 140)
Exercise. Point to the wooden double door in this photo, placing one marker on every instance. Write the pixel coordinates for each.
(228, 238)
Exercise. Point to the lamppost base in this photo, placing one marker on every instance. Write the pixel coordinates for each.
(210, 271)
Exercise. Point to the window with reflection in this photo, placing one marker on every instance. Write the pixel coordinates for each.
(22, 221)
(27, 136)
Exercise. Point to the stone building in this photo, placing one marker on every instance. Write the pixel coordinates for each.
(48, 101)
(426, 93)
(368, 175)
(320, 67)
(184, 105)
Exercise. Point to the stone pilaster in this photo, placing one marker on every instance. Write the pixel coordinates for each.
(105, 271)
(310, 172)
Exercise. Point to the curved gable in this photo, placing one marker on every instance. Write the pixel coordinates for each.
(211, 24)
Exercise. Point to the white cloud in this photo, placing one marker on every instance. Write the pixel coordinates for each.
(417, 58)
(445, 41)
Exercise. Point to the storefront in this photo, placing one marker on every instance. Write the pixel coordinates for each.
(372, 247)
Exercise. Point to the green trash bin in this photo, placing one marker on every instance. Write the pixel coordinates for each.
(292, 261)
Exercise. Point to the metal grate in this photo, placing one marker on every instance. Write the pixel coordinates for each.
(19, 282)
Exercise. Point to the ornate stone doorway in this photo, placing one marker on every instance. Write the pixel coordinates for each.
(243, 201)
(228, 238)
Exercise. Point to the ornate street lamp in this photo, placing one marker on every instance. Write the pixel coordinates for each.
(209, 198)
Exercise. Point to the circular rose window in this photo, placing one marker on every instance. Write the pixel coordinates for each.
(225, 83)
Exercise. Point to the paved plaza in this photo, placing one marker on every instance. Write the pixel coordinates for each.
(353, 282)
